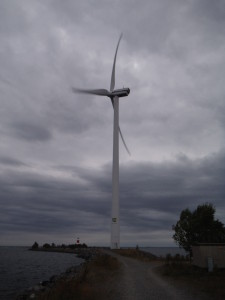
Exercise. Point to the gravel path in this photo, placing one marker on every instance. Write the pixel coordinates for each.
(138, 281)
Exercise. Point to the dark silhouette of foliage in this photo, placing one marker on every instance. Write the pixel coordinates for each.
(54, 246)
(75, 246)
(35, 245)
(198, 226)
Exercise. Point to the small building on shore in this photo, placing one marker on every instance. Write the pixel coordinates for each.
(209, 255)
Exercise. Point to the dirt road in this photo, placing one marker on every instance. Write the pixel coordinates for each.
(138, 281)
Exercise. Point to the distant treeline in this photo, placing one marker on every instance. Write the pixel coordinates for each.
(62, 246)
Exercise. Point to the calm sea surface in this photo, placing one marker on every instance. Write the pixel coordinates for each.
(21, 269)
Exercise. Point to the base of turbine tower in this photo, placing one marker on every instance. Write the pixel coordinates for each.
(115, 237)
(115, 246)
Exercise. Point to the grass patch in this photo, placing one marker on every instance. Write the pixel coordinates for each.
(107, 262)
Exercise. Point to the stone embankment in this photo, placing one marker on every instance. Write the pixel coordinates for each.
(86, 253)
(73, 273)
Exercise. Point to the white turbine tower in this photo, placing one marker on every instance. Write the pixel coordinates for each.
(114, 95)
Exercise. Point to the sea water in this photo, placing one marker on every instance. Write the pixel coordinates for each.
(163, 251)
(21, 268)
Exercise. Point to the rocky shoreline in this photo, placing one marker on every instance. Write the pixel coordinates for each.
(73, 273)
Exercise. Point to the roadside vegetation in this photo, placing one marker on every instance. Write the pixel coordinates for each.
(137, 254)
(181, 272)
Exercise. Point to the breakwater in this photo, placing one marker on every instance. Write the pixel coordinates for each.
(72, 273)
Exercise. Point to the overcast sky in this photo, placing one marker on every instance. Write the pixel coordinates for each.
(56, 146)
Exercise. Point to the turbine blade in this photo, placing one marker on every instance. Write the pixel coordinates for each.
(99, 92)
(124, 143)
(112, 85)
(121, 135)
(112, 102)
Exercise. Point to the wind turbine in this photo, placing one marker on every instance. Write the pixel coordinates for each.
(114, 95)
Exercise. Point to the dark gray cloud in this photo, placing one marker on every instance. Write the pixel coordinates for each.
(152, 196)
(56, 146)
(11, 161)
(30, 132)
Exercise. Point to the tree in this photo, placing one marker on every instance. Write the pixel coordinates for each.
(35, 246)
(198, 226)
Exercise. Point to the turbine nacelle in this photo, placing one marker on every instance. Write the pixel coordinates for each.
(103, 92)
(120, 93)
